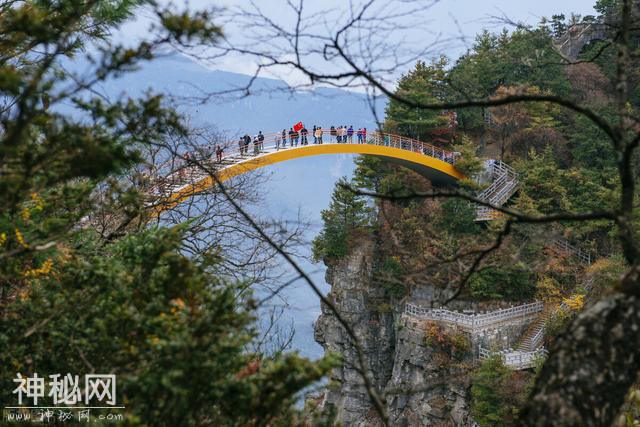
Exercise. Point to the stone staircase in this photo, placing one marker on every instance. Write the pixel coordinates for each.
(530, 349)
(532, 338)
(504, 185)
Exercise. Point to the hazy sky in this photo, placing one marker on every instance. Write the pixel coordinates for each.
(444, 19)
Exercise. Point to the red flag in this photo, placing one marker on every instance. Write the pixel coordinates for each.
(298, 127)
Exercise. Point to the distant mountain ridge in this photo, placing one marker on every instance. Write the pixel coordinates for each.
(269, 107)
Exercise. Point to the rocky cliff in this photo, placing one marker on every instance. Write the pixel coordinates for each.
(422, 372)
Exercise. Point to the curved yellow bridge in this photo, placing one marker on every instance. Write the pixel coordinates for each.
(190, 179)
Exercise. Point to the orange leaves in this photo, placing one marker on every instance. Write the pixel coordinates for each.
(251, 368)
(44, 270)
(575, 302)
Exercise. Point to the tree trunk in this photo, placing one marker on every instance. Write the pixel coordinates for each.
(590, 368)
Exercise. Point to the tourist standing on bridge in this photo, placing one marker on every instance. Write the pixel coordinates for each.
(260, 141)
(296, 138)
(339, 135)
(350, 134)
(291, 137)
(219, 152)
(256, 145)
(359, 133)
(344, 134)
(284, 138)
(277, 140)
(364, 135)
(247, 141)
(186, 163)
(320, 133)
(314, 134)
(304, 132)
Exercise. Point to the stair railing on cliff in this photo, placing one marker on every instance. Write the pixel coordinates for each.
(585, 258)
(474, 321)
(579, 35)
(505, 183)
(536, 340)
(564, 245)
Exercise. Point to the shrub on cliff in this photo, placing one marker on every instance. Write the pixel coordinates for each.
(514, 283)
(496, 393)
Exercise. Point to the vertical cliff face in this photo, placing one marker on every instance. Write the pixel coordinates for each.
(420, 385)
(356, 301)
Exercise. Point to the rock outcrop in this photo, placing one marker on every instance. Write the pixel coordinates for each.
(422, 385)
(354, 298)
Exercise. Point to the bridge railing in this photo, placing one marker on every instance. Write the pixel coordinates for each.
(409, 144)
(476, 320)
(273, 140)
(174, 174)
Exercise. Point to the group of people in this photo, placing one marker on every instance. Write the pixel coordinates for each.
(295, 136)
(245, 141)
(343, 134)
(340, 134)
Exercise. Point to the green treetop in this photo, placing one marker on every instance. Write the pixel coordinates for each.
(424, 84)
(347, 215)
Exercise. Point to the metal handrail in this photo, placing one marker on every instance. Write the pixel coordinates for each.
(501, 189)
(182, 173)
(564, 245)
(536, 340)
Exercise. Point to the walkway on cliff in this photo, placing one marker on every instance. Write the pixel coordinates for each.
(529, 350)
(476, 322)
(504, 184)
